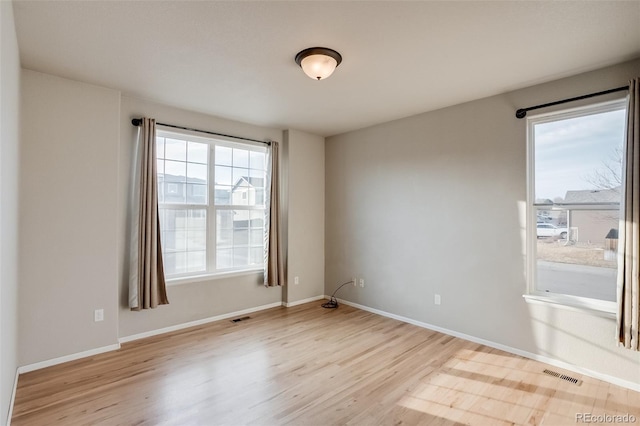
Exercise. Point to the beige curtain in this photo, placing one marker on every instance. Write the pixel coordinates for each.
(147, 287)
(628, 321)
(274, 259)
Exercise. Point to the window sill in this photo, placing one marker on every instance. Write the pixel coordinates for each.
(576, 304)
(211, 277)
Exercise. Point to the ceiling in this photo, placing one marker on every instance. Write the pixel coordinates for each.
(235, 59)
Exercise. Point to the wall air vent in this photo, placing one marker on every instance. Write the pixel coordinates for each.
(563, 377)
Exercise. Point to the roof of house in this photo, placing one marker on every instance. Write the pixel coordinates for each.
(592, 196)
(252, 181)
(543, 201)
(168, 177)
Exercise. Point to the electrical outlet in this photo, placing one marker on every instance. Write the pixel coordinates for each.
(436, 299)
(296, 280)
(98, 315)
(362, 282)
(355, 281)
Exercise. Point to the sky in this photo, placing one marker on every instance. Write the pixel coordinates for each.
(569, 151)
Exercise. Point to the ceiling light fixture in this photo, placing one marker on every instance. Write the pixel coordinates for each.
(318, 62)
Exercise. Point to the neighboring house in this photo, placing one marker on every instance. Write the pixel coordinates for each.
(554, 217)
(173, 189)
(543, 201)
(593, 196)
(248, 191)
(593, 225)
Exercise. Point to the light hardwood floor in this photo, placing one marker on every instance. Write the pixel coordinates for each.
(307, 365)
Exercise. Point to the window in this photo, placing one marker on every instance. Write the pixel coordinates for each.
(211, 204)
(574, 166)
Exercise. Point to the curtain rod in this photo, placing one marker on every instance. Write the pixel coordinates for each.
(138, 121)
(522, 112)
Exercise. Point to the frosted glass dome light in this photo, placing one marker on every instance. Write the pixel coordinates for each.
(318, 62)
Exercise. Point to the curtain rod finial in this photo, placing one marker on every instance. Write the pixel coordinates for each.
(521, 113)
(136, 121)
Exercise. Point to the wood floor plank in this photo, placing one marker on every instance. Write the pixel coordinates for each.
(306, 365)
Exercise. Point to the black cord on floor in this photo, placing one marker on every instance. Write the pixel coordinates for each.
(333, 302)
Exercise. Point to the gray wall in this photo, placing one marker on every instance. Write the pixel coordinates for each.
(68, 211)
(9, 160)
(434, 204)
(305, 215)
(188, 302)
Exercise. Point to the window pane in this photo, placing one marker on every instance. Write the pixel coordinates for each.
(184, 232)
(224, 175)
(240, 196)
(161, 218)
(236, 241)
(197, 173)
(257, 237)
(257, 218)
(197, 152)
(224, 219)
(241, 219)
(576, 254)
(240, 158)
(257, 197)
(256, 256)
(224, 258)
(175, 171)
(175, 149)
(240, 237)
(259, 174)
(224, 156)
(174, 219)
(174, 263)
(224, 238)
(160, 168)
(222, 195)
(578, 154)
(240, 177)
(241, 256)
(173, 241)
(159, 147)
(196, 194)
(196, 239)
(196, 261)
(257, 160)
(197, 219)
(174, 193)
(160, 192)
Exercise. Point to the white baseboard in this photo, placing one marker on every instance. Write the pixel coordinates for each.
(195, 323)
(303, 301)
(547, 360)
(67, 358)
(13, 397)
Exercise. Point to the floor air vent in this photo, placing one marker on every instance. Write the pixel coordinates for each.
(563, 377)
(240, 319)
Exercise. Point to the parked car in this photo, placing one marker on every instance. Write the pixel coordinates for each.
(549, 230)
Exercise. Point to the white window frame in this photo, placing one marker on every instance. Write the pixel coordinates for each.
(212, 272)
(584, 304)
